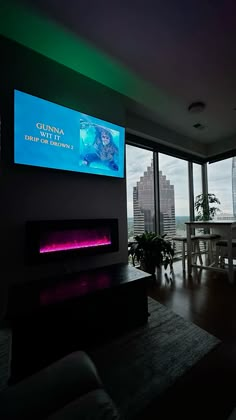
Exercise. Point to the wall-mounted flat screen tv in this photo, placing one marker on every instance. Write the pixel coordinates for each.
(53, 136)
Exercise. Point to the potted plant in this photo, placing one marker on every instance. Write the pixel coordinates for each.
(152, 251)
(203, 206)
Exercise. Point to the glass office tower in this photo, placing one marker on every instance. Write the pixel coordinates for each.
(143, 204)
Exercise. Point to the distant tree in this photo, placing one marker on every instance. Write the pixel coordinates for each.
(203, 206)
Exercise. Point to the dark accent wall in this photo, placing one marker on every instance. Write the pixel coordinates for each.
(31, 193)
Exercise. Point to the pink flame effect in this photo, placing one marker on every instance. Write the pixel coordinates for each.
(74, 245)
(74, 239)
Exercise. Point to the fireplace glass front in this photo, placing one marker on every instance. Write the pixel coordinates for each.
(47, 240)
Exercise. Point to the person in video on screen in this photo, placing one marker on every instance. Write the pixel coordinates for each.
(105, 150)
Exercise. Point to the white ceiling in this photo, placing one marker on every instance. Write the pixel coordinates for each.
(186, 48)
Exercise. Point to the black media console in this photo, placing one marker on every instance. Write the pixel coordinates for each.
(81, 310)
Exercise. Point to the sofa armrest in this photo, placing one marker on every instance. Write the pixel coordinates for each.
(96, 405)
(50, 389)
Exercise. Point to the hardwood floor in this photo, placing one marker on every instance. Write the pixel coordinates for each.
(207, 391)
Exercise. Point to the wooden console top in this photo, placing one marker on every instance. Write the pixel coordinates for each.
(32, 296)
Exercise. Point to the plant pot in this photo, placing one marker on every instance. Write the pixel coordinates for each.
(148, 266)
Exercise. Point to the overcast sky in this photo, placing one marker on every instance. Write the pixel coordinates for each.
(176, 170)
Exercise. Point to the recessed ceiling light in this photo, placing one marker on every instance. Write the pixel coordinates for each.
(195, 107)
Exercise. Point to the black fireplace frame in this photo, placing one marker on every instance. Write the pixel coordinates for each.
(34, 228)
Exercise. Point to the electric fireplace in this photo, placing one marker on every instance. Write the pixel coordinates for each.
(47, 240)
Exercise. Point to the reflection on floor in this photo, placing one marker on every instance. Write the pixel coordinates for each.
(208, 300)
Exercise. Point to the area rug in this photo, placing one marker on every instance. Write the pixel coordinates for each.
(140, 365)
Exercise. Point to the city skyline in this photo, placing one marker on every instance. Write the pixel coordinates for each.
(176, 170)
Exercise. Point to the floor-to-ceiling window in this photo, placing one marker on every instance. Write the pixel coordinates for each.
(222, 183)
(173, 187)
(140, 191)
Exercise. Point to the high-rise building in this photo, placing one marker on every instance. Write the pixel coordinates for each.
(138, 214)
(143, 204)
(234, 184)
(167, 206)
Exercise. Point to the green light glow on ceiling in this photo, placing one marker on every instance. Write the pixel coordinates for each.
(52, 40)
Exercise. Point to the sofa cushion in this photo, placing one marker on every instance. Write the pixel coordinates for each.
(96, 405)
(50, 389)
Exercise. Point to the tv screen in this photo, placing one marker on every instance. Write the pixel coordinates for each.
(53, 136)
